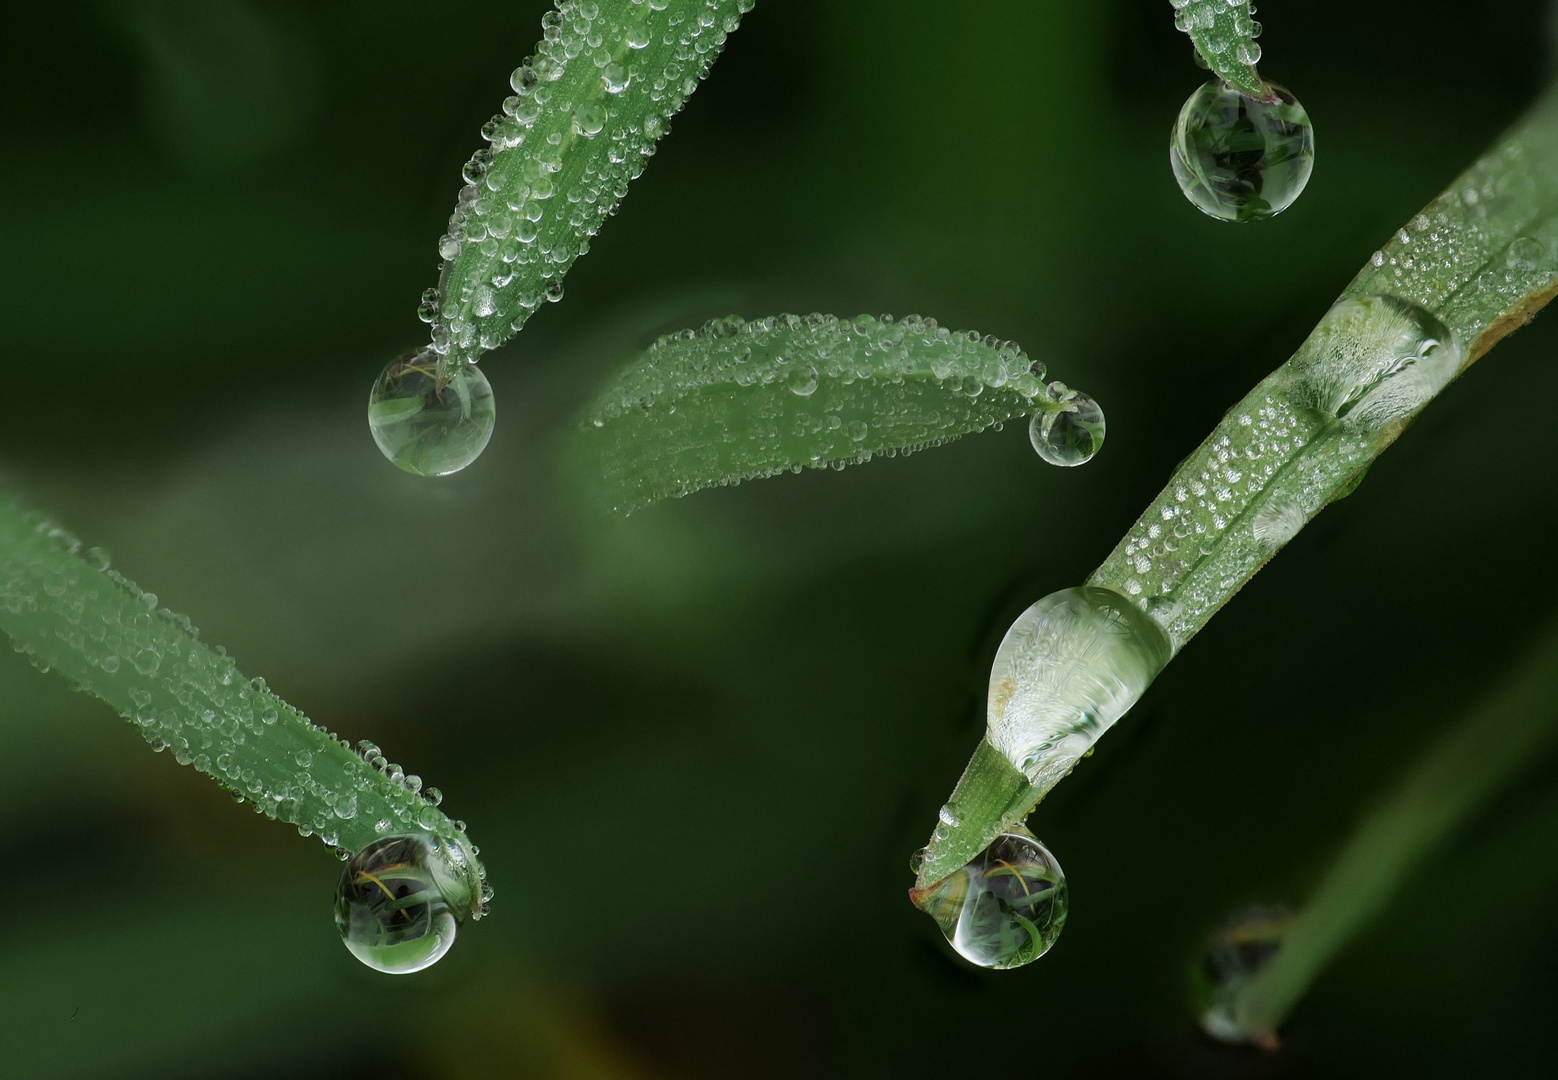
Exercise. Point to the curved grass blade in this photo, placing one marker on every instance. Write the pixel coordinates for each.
(1460, 773)
(584, 118)
(1482, 258)
(67, 611)
(739, 400)
(1224, 33)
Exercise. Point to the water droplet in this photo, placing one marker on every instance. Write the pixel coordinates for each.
(1007, 907)
(1069, 667)
(802, 380)
(303, 758)
(1376, 359)
(1069, 436)
(589, 119)
(399, 903)
(857, 430)
(614, 77)
(1526, 253)
(1238, 158)
(428, 425)
(1235, 953)
(1278, 521)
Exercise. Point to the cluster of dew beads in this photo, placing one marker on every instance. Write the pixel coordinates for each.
(1241, 158)
(399, 903)
(1235, 953)
(1069, 667)
(1007, 907)
(1071, 433)
(429, 417)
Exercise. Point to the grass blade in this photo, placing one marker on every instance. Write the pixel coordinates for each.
(740, 400)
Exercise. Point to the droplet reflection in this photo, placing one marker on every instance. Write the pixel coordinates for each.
(1071, 435)
(430, 423)
(1238, 158)
(1004, 909)
(399, 903)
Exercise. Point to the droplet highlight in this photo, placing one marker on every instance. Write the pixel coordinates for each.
(428, 422)
(1237, 158)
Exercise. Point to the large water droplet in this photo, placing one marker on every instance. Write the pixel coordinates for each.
(1375, 359)
(1006, 907)
(427, 424)
(1070, 436)
(399, 903)
(1235, 953)
(1238, 158)
(1069, 667)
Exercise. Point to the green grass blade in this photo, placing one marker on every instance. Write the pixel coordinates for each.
(1224, 35)
(1482, 257)
(1463, 769)
(588, 108)
(69, 612)
(740, 400)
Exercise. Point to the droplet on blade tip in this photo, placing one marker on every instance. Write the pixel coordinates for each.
(1006, 907)
(1070, 435)
(1238, 158)
(399, 903)
(428, 422)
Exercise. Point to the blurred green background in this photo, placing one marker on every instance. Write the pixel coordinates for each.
(697, 746)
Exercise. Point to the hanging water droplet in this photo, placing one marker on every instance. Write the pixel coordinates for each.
(1071, 435)
(1238, 158)
(428, 424)
(802, 380)
(1235, 953)
(1069, 667)
(1376, 359)
(1006, 908)
(400, 902)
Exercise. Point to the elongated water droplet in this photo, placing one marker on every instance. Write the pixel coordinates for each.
(1070, 436)
(1375, 359)
(1238, 158)
(1007, 907)
(1278, 521)
(1069, 667)
(400, 902)
(1235, 953)
(431, 425)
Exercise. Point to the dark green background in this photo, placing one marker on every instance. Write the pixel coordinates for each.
(698, 746)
